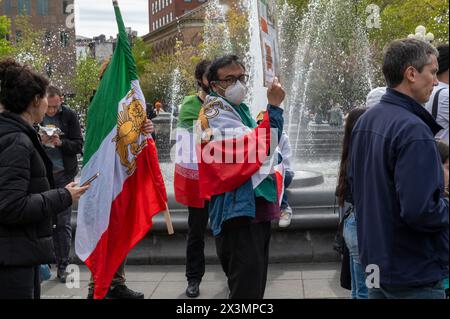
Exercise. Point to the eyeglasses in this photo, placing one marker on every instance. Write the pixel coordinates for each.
(232, 80)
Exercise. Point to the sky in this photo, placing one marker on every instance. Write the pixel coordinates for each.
(95, 17)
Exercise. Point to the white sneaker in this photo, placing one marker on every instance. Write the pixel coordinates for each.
(285, 218)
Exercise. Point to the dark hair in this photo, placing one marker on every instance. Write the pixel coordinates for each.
(221, 62)
(443, 58)
(201, 69)
(401, 54)
(443, 151)
(53, 91)
(350, 122)
(19, 86)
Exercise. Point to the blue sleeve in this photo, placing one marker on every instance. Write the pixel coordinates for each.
(276, 119)
(419, 183)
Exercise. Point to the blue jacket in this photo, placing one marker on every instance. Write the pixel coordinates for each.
(241, 201)
(397, 183)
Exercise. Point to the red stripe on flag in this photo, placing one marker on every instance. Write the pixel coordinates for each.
(143, 196)
(219, 178)
(187, 188)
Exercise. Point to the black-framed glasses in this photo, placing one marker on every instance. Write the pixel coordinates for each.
(232, 80)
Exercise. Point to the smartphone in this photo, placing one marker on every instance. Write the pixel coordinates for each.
(90, 180)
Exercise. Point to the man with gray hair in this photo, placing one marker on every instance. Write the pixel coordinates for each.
(397, 181)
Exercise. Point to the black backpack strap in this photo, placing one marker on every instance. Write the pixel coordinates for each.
(434, 112)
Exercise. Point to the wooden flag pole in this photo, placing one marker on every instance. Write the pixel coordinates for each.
(168, 219)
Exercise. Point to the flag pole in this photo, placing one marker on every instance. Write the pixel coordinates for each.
(168, 219)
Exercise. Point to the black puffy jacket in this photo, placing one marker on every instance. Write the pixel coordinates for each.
(27, 203)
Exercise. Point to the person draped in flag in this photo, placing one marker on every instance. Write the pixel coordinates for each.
(243, 198)
(117, 211)
(186, 184)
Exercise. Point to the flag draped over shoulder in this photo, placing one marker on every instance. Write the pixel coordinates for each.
(116, 212)
(186, 176)
(235, 153)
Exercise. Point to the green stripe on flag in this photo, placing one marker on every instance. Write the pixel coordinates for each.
(115, 84)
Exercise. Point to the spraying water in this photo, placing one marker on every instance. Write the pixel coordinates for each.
(216, 35)
(175, 97)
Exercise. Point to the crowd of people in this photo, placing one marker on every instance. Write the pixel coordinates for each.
(392, 185)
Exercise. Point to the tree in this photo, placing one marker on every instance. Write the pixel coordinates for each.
(28, 48)
(399, 18)
(6, 47)
(142, 53)
(84, 82)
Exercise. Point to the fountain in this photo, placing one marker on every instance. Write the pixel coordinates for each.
(166, 121)
(325, 57)
(216, 35)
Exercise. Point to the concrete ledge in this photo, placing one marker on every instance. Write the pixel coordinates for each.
(285, 247)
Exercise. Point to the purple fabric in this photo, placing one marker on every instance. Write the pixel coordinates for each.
(266, 211)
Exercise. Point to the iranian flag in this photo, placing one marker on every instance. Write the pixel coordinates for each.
(117, 211)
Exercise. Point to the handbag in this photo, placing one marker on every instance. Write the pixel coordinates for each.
(339, 242)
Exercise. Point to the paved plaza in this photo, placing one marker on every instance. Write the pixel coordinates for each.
(285, 281)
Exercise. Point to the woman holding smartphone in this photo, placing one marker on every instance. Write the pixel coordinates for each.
(27, 200)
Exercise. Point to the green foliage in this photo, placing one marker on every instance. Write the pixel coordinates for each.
(84, 82)
(6, 47)
(399, 18)
(28, 48)
(142, 53)
(156, 81)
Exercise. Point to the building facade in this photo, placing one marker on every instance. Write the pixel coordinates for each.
(56, 20)
(175, 20)
(163, 12)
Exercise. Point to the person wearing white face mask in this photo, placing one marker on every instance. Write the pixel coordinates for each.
(240, 217)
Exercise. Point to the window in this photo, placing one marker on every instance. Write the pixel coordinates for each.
(42, 7)
(23, 7)
(7, 7)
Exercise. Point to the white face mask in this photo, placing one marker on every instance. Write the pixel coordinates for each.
(236, 93)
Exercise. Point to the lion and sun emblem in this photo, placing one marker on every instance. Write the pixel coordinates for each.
(129, 124)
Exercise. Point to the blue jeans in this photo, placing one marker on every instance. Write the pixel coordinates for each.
(432, 291)
(287, 181)
(358, 275)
